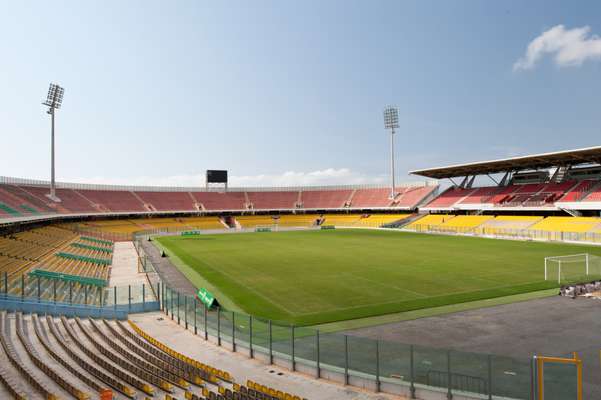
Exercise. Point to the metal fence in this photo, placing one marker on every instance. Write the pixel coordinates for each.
(387, 366)
(378, 361)
(499, 233)
(44, 291)
(521, 234)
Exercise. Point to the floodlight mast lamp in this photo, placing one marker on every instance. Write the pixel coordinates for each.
(54, 100)
(391, 121)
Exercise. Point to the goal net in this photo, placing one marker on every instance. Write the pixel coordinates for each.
(572, 268)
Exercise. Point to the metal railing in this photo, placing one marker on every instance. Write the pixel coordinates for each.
(380, 362)
(503, 233)
(386, 366)
(46, 293)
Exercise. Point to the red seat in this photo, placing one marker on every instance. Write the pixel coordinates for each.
(273, 200)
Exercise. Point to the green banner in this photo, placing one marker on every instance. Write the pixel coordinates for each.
(206, 297)
(190, 233)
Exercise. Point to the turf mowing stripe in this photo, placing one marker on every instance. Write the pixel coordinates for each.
(197, 279)
(224, 300)
(311, 277)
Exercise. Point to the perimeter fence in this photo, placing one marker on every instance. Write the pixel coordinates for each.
(374, 364)
(503, 233)
(499, 233)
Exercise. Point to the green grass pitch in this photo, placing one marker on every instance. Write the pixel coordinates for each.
(313, 277)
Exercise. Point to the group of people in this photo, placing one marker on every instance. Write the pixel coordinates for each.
(580, 289)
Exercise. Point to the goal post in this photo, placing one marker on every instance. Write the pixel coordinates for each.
(572, 267)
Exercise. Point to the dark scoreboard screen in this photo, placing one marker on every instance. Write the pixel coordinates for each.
(216, 176)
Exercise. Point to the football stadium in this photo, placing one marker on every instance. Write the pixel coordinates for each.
(472, 281)
(295, 277)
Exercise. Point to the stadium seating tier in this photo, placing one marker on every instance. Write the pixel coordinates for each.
(25, 200)
(379, 197)
(449, 197)
(167, 201)
(325, 198)
(273, 200)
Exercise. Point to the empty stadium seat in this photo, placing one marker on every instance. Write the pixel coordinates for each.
(28, 199)
(374, 197)
(449, 197)
(463, 223)
(511, 222)
(221, 200)
(324, 199)
(567, 224)
(411, 197)
(273, 200)
(504, 194)
(252, 221)
(595, 194)
(576, 193)
(429, 220)
(71, 200)
(296, 220)
(168, 201)
(481, 195)
(114, 200)
(14, 205)
(25, 197)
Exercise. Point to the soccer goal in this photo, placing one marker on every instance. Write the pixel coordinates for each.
(573, 267)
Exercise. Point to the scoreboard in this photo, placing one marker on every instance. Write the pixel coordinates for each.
(216, 176)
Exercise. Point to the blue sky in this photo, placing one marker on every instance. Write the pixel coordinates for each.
(283, 92)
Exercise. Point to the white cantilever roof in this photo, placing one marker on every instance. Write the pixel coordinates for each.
(535, 161)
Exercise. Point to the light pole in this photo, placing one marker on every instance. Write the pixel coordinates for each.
(391, 121)
(54, 102)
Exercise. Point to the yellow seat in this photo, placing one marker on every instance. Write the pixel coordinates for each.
(567, 224)
(429, 220)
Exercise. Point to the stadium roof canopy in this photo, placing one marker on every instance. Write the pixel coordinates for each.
(536, 161)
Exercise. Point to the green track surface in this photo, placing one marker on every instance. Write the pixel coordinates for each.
(318, 277)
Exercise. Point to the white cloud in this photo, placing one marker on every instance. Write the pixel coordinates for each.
(329, 176)
(569, 47)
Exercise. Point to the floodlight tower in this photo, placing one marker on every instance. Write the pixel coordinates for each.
(391, 121)
(54, 102)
